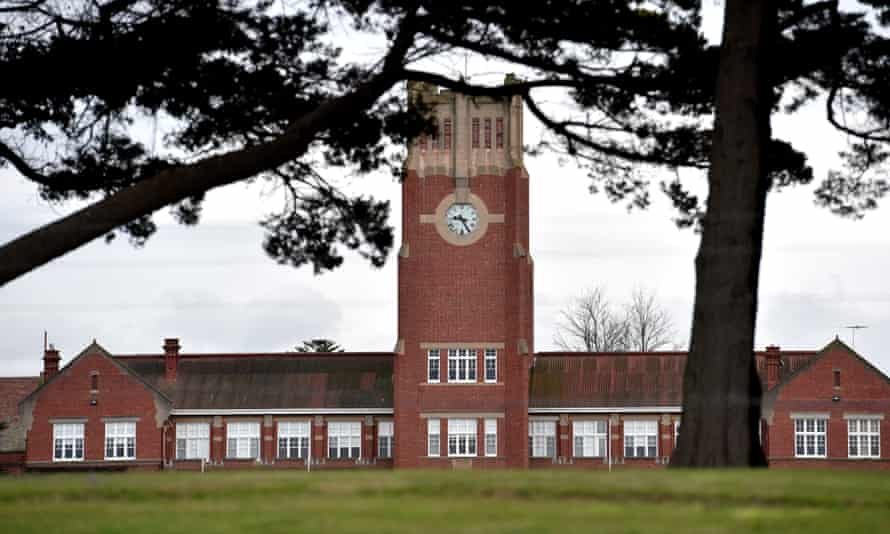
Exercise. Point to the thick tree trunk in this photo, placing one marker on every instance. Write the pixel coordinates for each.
(721, 391)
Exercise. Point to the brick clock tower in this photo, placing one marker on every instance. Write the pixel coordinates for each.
(461, 376)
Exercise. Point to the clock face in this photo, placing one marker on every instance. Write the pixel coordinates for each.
(462, 218)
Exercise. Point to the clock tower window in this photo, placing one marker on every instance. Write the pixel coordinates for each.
(491, 365)
(433, 366)
(487, 133)
(462, 365)
(461, 437)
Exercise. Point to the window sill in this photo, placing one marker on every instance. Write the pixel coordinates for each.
(462, 383)
(66, 460)
(128, 459)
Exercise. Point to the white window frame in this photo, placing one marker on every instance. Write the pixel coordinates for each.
(433, 437)
(294, 439)
(385, 439)
(344, 436)
(433, 362)
(491, 357)
(462, 438)
(542, 438)
(120, 439)
(806, 435)
(192, 441)
(641, 434)
(589, 437)
(677, 432)
(68, 436)
(491, 437)
(462, 366)
(865, 430)
(243, 440)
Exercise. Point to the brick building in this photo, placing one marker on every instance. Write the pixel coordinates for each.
(463, 387)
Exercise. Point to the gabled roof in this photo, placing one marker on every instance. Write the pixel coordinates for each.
(13, 390)
(770, 397)
(340, 380)
(95, 348)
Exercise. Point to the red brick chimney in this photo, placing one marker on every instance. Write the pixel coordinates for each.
(51, 361)
(773, 362)
(171, 358)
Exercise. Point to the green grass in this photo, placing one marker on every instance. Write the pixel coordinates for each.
(429, 502)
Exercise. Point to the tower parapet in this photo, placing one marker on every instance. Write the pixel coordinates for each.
(474, 135)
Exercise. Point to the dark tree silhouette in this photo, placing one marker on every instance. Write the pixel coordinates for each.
(319, 345)
(260, 93)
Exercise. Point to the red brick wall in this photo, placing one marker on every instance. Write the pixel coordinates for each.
(449, 293)
(862, 391)
(69, 396)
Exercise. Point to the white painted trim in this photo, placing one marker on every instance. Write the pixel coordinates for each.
(286, 411)
(461, 415)
(810, 415)
(592, 410)
(863, 416)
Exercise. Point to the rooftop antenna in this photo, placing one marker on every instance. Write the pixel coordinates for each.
(853, 329)
(44, 341)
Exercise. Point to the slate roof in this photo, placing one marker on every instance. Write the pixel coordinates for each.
(576, 380)
(625, 379)
(12, 391)
(273, 381)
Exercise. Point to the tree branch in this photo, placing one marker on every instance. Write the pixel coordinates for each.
(176, 184)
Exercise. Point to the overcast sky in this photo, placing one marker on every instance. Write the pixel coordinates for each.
(213, 287)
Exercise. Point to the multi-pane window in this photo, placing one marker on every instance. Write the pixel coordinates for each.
(432, 358)
(446, 138)
(461, 437)
(542, 439)
(433, 433)
(120, 440)
(344, 439)
(499, 132)
(640, 439)
(864, 438)
(461, 365)
(491, 437)
(491, 365)
(243, 440)
(590, 438)
(384, 439)
(192, 441)
(487, 133)
(809, 438)
(67, 442)
(293, 440)
(475, 132)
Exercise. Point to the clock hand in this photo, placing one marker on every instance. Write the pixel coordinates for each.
(464, 222)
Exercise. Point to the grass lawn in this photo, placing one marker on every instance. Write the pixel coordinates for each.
(430, 502)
